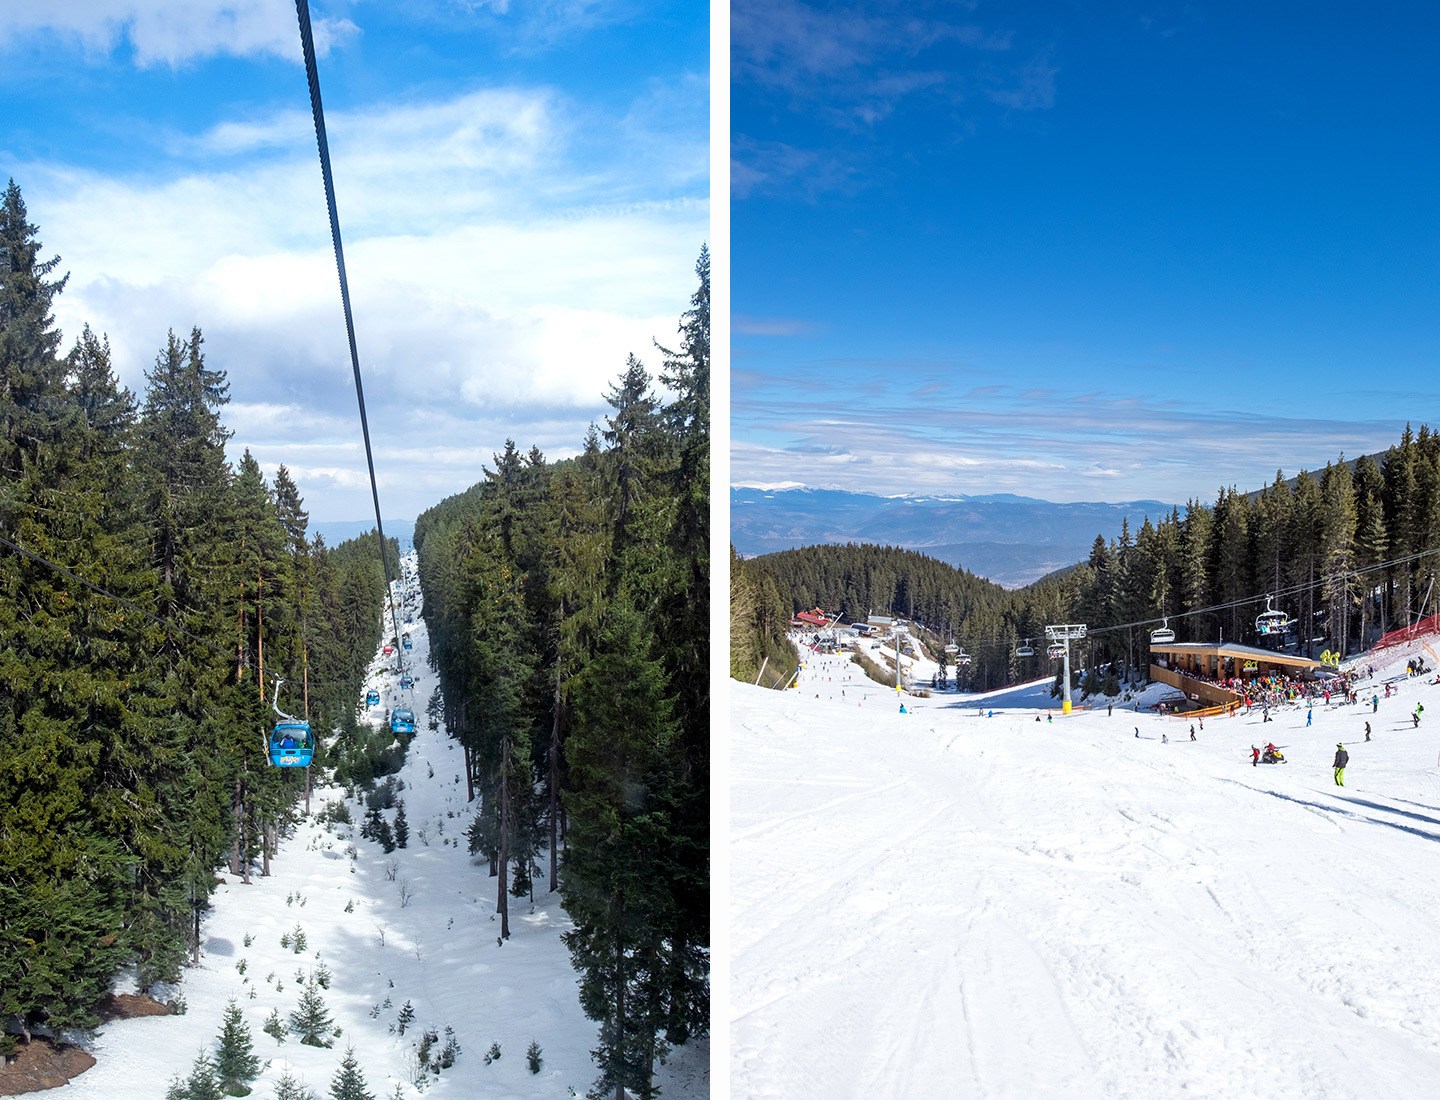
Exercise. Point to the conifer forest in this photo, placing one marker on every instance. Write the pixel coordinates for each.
(153, 588)
(1348, 554)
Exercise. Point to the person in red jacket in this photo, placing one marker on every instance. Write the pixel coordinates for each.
(1254, 756)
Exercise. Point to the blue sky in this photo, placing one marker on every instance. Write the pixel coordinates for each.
(1079, 251)
(523, 187)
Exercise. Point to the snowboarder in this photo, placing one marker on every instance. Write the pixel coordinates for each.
(1367, 731)
(1192, 735)
(1309, 714)
(1341, 759)
(1254, 756)
(1137, 731)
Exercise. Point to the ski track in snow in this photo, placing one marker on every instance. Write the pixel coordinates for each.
(439, 951)
(939, 904)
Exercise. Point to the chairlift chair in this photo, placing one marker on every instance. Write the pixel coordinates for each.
(1025, 649)
(1271, 621)
(1163, 636)
(952, 648)
(1055, 652)
(962, 659)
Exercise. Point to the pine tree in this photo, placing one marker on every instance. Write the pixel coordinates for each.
(290, 1087)
(402, 827)
(348, 1082)
(311, 1019)
(235, 1062)
(202, 1083)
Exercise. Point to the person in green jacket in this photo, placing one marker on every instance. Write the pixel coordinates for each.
(1341, 759)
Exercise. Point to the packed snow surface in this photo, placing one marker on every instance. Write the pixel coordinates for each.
(416, 925)
(964, 901)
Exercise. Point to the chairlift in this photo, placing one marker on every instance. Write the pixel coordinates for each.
(952, 648)
(962, 659)
(1025, 649)
(1163, 636)
(292, 745)
(1055, 651)
(1271, 621)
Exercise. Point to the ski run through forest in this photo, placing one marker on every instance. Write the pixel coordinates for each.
(416, 927)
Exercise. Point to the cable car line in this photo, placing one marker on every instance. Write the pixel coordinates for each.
(312, 75)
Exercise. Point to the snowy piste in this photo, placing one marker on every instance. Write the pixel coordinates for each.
(960, 901)
(416, 925)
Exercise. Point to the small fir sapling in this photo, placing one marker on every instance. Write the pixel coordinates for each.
(274, 1026)
(311, 1019)
(202, 1083)
(235, 1062)
(405, 1019)
(493, 1054)
(532, 1057)
(290, 1087)
(348, 1082)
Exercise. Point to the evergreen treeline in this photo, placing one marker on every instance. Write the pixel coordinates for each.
(759, 618)
(1348, 554)
(568, 609)
(948, 604)
(133, 721)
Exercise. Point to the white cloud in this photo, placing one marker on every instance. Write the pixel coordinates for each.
(500, 274)
(172, 32)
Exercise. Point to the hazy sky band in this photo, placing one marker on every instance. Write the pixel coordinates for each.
(1106, 252)
(523, 189)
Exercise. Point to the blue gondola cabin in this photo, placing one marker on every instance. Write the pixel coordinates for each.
(291, 744)
(402, 720)
(372, 698)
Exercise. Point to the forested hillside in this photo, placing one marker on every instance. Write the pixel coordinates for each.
(1347, 555)
(568, 610)
(150, 595)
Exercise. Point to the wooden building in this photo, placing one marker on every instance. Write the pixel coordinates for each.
(1194, 666)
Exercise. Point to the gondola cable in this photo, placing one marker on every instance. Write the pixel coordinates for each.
(307, 43)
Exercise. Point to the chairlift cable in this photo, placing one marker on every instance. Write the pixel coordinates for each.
(307, 43)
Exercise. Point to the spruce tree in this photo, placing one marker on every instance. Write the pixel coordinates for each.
(348, 1082)
(235, 1062)
(290, 1087)
(311, 1019)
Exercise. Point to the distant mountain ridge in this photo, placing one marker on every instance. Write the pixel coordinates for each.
(1011, 540)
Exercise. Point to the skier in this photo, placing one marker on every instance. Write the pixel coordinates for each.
(1109, 709)
(1341, 759)
(1254, 756)
(1137, 731)
(1374, 703)
(1309, 714)
(1367, 731)
(1192, 735)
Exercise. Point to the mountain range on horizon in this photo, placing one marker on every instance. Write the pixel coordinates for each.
(1011, 540)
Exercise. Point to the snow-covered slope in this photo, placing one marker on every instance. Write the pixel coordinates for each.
(944, 903)
(417, 925)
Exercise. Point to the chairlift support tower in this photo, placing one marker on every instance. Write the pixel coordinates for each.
(1064, 634)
